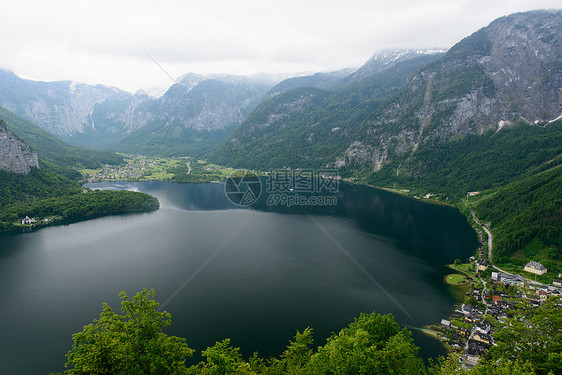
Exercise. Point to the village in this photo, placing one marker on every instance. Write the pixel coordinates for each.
(137, 167)
(146, 168)
(489, 303)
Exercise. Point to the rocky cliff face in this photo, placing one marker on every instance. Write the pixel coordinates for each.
(94, 116)
(62, 108)
(509, 70)
(211, 103)
(15, 155)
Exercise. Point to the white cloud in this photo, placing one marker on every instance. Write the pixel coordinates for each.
(105, 41)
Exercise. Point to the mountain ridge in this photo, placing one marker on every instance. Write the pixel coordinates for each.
(506, 71)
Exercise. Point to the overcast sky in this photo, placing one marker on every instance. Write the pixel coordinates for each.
(107, 41)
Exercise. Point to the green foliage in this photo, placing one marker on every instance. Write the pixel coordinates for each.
(372, 344)
(293, 360)
(222, 358)
(128, 343)
(533, 336)
(39, 183)
(453, 366)
(527, 215)
(170, 139)
(197, 173)
(476, 162)
(53, 149)
(81, 204)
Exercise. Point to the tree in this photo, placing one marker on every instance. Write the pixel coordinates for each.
(222, 358)
(293, 360)
(452, 365)
(128, 343)
(372, 344)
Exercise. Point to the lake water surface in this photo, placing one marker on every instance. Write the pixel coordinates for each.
(255, 275)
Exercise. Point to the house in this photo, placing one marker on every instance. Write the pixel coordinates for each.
(495, 276)
(482, 328)
(482, 265)
(445, 323)
(474, 350)
(463, 331)
(510, 279)
(556, 282)
(481, 337)
(466, 309)
(535, 267)
(543, 294)
(28, 220)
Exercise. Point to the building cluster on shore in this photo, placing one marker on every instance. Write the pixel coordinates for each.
(469, 330)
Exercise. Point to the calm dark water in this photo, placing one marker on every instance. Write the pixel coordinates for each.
(254, 275)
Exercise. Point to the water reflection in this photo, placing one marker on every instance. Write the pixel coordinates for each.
(424, 230)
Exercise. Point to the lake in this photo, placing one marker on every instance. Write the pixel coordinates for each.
(254, 274)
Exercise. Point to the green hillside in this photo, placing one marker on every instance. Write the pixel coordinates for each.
(53, 149)
(526, 219)
(474, 162)
(170, 139)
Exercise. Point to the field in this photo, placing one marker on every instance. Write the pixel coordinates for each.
(455, 279)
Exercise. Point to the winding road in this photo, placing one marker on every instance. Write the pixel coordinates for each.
(490, 239)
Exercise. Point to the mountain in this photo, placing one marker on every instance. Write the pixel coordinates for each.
(322, 80)
(196, 113)
(508, 71)
(61, 107)
(15, 155)
(191, 117)
(385, 59)
(52, 149)
(307, 126)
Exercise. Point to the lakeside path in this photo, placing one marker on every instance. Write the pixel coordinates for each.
(490, 238)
